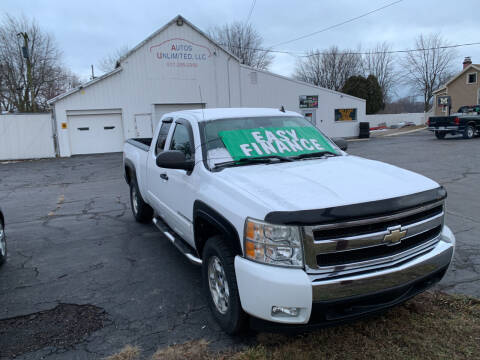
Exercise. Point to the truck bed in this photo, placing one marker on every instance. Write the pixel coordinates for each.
(435, 121)
(141, 143)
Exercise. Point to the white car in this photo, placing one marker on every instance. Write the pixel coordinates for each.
(286, 226)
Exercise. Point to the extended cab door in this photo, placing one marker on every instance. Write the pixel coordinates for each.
(180, 186)
(156, 184)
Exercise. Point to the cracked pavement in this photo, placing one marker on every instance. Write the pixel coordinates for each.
(72, 239)
(454, 163)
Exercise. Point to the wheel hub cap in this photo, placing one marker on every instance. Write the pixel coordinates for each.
(218, 285)
(134, 200)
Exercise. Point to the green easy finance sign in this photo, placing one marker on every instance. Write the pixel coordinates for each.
(284, 141)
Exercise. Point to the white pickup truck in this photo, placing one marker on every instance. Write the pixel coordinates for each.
(286, 226)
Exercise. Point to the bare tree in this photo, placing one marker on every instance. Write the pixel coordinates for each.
(243, 41)
(329, 69)
(110, 61)
(426, 69)
(30, 71)
(379, 62)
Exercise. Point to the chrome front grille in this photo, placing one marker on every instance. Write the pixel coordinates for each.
(364, 244)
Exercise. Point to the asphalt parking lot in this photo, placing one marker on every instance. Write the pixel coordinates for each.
(73, 240)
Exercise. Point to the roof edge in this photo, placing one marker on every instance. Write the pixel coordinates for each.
(475, 66)
(302, 82)
(82, 86)
(174, 20)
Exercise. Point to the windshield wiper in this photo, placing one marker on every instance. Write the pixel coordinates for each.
(253, 160)
(314, 155)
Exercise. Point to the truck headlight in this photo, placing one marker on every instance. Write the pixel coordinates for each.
(273, 244)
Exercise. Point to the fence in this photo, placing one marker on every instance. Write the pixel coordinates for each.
(26, 136)
(391, 119)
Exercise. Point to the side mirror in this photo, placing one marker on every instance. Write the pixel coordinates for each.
(174, 159)
(341, 143)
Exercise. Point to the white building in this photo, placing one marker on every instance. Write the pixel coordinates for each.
(179, 67)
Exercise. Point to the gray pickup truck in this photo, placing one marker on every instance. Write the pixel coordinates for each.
(465, 122)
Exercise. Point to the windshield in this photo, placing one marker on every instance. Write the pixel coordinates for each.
(239, 140)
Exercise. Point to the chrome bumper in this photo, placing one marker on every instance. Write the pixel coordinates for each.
(400, 275)
(444, 128)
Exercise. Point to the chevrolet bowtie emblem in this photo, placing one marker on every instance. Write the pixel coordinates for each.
(395, 235)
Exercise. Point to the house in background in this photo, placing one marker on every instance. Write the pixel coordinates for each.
(464, 88)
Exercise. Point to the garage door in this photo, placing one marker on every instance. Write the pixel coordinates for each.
(99, 133)
(161, 109)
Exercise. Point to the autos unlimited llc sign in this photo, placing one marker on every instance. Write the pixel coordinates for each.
(180, 53)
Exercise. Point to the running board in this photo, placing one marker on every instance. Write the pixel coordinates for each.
(179, 243)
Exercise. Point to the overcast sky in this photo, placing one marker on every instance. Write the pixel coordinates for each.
(88, 30)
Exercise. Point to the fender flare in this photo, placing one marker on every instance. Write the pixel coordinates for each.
(206, 213)
(128, 165)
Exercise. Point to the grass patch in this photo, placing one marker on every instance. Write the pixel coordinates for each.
(431, 326)
(129, 352)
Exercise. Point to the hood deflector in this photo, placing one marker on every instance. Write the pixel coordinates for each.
(356, 211)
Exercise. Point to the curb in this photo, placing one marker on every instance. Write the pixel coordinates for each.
(352, 140)
(405, 132)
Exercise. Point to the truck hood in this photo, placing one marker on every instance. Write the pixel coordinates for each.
(323, 183)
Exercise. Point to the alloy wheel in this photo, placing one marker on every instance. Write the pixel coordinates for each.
(218, 285)
(134, 200)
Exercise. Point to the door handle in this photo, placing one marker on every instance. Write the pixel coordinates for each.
(164, 176)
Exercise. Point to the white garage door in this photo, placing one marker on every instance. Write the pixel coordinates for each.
(92, 134)
(161, 109)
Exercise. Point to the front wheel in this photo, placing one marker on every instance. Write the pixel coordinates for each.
(440, 134)
(469, 132)
(142, 212)
(220, 284)
(3, 243)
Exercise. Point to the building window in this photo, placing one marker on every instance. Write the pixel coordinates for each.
(345, 114)
(472, 78)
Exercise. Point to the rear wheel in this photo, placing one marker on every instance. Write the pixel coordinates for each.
(440, 134)
(220, 284)
(3, 243)
(142, 212)
(469, 132)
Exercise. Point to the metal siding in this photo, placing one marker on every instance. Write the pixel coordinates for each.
(26, 136)
(273, 91)
(142, 82)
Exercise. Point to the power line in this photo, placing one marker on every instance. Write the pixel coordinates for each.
(314, 53)
(337, 25)
(251, 11)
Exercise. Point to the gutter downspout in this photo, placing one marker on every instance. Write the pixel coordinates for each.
(229, 85)
(240, 82)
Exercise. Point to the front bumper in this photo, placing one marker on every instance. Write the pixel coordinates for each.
(262, 286)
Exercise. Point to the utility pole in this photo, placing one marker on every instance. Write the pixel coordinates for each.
(30, 105)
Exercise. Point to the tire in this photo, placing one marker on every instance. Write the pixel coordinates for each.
(440, 134)
(142, 212)
(469, 132)
(231, 318)
(3, 243)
